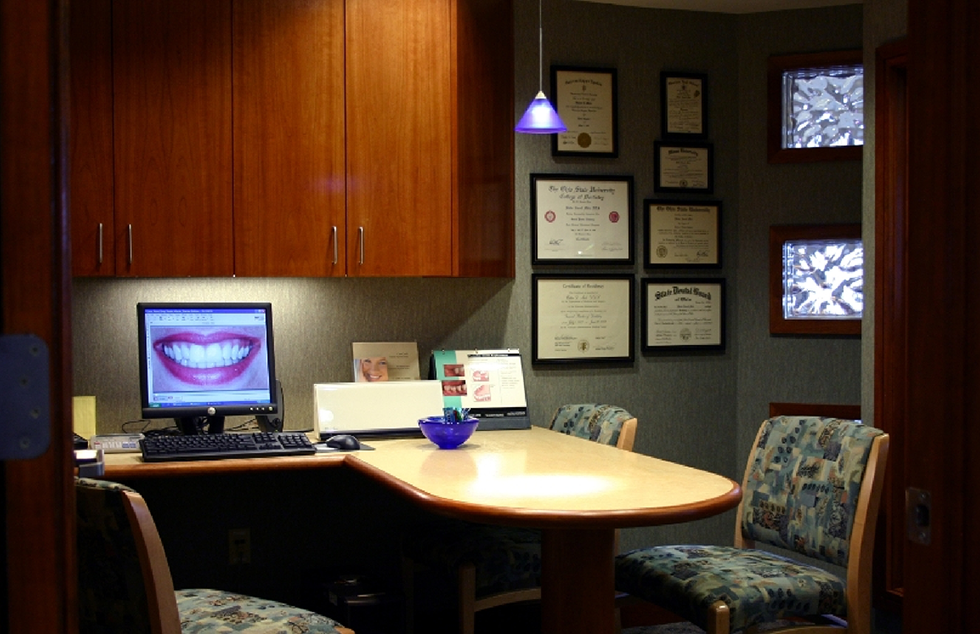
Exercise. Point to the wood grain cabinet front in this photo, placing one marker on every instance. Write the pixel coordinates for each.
(300, 138)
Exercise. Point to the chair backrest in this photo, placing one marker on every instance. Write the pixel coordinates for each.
(813, 486)
(124, 580)
(606, 424)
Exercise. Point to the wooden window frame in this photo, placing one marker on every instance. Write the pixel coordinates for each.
(779, 64)
(778, 236)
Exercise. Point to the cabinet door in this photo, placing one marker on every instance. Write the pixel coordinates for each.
(90, 138)
(399, 138)
(172, 127)
(289, 190)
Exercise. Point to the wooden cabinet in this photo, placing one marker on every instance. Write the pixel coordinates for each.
(294, 138)
(289, 165)
(430, 138)
(90, 140)
(172, 137)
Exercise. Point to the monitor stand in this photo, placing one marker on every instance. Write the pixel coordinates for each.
(191, 425)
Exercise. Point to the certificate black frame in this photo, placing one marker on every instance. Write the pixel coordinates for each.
(649, 255)
(611, 73)
(647, 283)
(537, 259)
(536, 308)
(659, 188)
(666, 76)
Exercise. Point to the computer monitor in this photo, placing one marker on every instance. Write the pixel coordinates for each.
(201, 362)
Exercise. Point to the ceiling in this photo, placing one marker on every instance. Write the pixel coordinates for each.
(728, 6)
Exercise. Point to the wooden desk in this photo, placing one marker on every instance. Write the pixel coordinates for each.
(577, 491)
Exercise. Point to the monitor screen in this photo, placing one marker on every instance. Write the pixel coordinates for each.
(200, 362)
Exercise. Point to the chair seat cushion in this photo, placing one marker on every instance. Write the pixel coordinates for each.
(757, 586)
(218, 612)
(506, 558)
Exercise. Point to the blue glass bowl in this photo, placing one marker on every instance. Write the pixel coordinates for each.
(447, 435)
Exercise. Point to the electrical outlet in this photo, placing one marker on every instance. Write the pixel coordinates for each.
(239, 546)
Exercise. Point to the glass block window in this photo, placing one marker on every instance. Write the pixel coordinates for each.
(823, 107)
(823, 279)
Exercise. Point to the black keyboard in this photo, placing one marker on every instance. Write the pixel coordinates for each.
(226, 445)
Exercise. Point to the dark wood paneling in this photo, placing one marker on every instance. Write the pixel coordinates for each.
(38, 494)
(942, 399)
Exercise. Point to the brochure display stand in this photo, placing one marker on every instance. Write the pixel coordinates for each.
(490, 383)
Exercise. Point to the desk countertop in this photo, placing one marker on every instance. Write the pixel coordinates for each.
(533, 477)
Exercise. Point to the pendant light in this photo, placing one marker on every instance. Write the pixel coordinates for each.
(540, 117)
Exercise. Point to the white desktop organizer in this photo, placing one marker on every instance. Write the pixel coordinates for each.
(382, 408)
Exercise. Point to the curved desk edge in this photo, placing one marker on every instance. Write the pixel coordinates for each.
(538, 518)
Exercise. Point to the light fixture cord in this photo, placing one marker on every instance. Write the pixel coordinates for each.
(540, 51)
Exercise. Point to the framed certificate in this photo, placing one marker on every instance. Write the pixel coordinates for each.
(683, 167)
(683, 314)
(682, 234)
(581, 219)
(583, 319)
(683, 105)
(585, 99)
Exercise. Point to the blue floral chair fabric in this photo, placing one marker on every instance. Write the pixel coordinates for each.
(507, 560)
(114, 597)
(596, 422)
(808, 479)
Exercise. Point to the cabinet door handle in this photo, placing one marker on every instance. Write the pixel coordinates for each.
(335, 248)
(100, 244)
(129, 243)
(360, 239)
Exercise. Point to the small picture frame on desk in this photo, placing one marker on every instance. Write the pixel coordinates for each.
(683, 167)
(684, 105)
(582, 318)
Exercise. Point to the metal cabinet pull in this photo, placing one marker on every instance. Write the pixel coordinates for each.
(100, 243)
(335, 251)
(360, 239)
(129, 242)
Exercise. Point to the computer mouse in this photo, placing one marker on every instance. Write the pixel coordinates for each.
(343, 441)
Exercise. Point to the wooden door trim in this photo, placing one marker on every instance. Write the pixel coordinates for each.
(38, 494)
(891, 271)
(941, 396)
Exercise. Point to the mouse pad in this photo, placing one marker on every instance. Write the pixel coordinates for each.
(321, 447)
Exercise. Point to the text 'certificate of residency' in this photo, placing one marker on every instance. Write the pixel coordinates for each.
(583, 319)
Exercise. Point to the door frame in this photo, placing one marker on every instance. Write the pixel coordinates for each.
(38, 497)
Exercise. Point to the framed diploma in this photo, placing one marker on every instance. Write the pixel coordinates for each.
(683, 167)
(683, 314)
(585, 99)
(584, 318)
(682, 234)
(581, 219)
(683, 105)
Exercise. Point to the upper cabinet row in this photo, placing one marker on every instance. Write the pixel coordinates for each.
(292, 138)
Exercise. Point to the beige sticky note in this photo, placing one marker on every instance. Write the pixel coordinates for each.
(83, 415)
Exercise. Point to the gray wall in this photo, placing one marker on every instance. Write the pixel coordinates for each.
(696, 409)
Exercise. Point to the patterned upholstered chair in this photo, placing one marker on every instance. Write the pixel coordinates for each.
(497, 565)
(125, 585)
(812, 486)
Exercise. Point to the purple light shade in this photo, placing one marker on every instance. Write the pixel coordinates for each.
(540, 118)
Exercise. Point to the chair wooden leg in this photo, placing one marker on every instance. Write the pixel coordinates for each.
(466, 587)
(718, 619)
